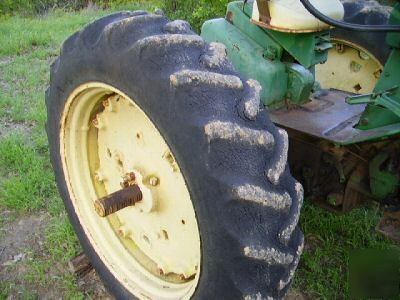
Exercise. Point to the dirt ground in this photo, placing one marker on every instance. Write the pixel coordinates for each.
(20, 240)
(23, 238)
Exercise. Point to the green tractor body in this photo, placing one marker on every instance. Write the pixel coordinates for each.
(344, 146)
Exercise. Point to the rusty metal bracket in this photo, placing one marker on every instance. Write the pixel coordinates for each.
(263, 8)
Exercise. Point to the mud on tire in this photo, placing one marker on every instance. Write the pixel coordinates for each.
(233, 158)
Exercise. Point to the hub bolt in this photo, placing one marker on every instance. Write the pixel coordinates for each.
(154, 181)
(128, 180)
(118, 200)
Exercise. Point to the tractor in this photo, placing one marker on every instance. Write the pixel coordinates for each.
(183, 160)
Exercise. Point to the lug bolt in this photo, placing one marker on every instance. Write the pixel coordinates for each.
(154, 181)
(363, 55)
(340, 48)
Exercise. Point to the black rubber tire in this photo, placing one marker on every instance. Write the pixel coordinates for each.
(368, 12)
(232, 156)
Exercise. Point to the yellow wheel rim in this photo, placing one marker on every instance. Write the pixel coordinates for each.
(152, 248)
(349, 68)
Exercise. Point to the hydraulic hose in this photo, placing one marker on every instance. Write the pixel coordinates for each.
(348, 26)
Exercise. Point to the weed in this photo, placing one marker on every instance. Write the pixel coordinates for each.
(329, 240)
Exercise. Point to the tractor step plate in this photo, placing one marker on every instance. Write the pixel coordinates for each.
(329, 117)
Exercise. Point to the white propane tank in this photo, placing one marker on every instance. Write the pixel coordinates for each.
(291, 15)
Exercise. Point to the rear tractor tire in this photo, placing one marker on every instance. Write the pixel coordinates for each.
(356, 61)
(135, 97)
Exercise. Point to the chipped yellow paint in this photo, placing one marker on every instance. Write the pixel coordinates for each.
(349, 68)
(152, 248)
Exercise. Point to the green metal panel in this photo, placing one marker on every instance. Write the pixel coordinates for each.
(308, 49)
(301, 82)
(382, 182)
(257, 54)
(241, 20)
(248, 58)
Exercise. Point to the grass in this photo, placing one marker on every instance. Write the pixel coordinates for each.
(28, 47)
(330, 239)
(27, 184)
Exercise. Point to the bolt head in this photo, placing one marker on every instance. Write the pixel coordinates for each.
(154, 181)
(130, 176)
(363, 55)
(128, 179)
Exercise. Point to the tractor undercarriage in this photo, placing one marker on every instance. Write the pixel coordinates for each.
(336, 172)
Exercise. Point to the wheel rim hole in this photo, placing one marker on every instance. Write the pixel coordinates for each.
(146, 239)
(183, 222)
(357, 87)
(119, 162)
(109, 154)
(165, 235)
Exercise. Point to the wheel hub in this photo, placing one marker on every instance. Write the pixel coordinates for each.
(154, 224)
